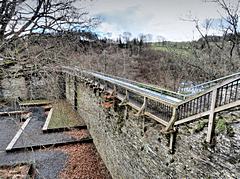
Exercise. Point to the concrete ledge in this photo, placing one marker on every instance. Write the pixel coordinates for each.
(45, 127)
(8, 113)
(16, 137)
(35, 103)
(64, 129)
(47, 107)
(35, 147)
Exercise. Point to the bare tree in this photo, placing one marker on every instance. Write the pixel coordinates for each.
(126, 36)
(25, 17)
(217, 55)
(142, 37)
(149, 37)
(229, 25)
(231, 16)
(160, 39)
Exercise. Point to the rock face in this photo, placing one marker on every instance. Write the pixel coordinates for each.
(134, 147)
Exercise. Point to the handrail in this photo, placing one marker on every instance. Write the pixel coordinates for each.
(148, 86)
(208, 90)
(152, 102)
(159, 106)
(179, 103)
(139, 90)
(226, 94)
(203, 86)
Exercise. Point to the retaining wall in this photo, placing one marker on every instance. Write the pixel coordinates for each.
(32, 86)
(134, 147)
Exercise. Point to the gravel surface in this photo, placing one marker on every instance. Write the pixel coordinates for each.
(78, 134)
(83, 160)
(8, 128)
(33, 135)
(48, 164)
(20, 171)
(65, 162)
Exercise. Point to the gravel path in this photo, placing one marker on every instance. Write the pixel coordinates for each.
(69, 161)
(47, 163)
(8, 128)
(33, 135)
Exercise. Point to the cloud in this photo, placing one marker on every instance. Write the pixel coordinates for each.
(158, 17)
(129, 19)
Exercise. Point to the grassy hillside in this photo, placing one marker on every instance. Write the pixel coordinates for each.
(177, 48)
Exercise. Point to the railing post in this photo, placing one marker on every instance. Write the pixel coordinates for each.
(75, 92)
(67, 86)
(125, 99)
(211, 115)
(171, 143)
(141, 111)
(172, 120)
(114, 92)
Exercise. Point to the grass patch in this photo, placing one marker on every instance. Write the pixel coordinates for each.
(161, 90)
(221, 126)
(64, 116)
(173, 49)
(200, 126)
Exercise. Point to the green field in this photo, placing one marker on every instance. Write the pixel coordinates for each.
(176, 48)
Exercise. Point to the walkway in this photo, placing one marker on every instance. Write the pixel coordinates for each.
(166, 107)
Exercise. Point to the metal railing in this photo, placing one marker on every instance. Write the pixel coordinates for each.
(227, 92)
(169, 110)
(148, 86)
(189, 91)
(153, 104)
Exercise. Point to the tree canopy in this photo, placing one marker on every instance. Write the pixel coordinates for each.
(23, 17)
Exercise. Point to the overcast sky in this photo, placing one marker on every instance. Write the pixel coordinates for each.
(157, 17)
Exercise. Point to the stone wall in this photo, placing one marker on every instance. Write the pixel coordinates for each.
(27, 85)
(13, 87)
(133, 147)
(70, 88)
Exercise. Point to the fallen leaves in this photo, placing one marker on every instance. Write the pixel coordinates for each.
(19, 171)
(84, 162)
(78, 134)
